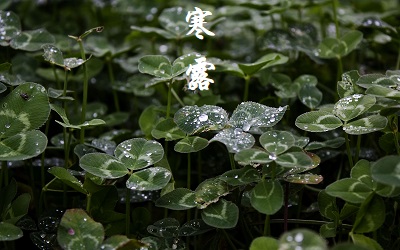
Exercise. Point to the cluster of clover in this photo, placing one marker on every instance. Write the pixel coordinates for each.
(198, 72)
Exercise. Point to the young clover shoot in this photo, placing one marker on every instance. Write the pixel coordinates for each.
(196, 19)
(198, 74)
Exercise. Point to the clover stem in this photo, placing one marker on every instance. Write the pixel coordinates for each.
(4, 174)
(246, 88)
(169, 99)
(42, 170)
(334, 9)
(286, 209)
(357, 153)
(88, 202)
(349, 156)
(112, 81)
(127, 211)
(232, 161)
(85, 90)
(189, 173)
(267, 225)
(398, 60)
(177, 97)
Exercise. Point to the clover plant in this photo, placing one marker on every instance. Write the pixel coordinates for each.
(186, 125)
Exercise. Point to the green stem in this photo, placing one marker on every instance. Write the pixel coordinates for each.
(177, 97)
(4, 174)
(348, 149)
(127, 211)
(232, 161)
(246, 88)
(85, 90)
(169, 99)
(42, 170)
(88, 202)
(56, 76)
(112, 81)
(398, 59)
(189, 174)
(267, 225)
(334, 9)
(339, 69)
(357, 153)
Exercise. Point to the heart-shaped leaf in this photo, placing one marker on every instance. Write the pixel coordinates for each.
(223, 214)
(194, 119)
(352, 106)
(177, 199)
(253, 157)
(209, 191)
(32, 40)
(78, 231)
(250, 115)
(302, 238)
(267, 196)
(23, 146)
(191, 144)
(10, 26)
(242, 176)
(67, 178)
(349, 189)
(382, 91)
(174, 20)
(295, 160)
(265, 61)
(234, 139)
(9, 232)
(332, 143)
(304, 178)
(336, 48)
(165, 228)
(347, 86)
(103, 165)
(276, 141)
(310, 96)
(167, 129)
(386, 170)
(138, 153)
(366, 125)
(317, 121)
(149, 179)
(25, 108)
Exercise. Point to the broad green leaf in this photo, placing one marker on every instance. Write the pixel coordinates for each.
(370, 80)
(276, 141)
(366, 125)
(386, 170)
(263, 242)
(7, 194)
(234, 139)
(155, 65)
(165, 228)
(350, 190)
(181, 64)
(121, 242)
(317, 121)
(242, 176)
(67, 178)
(347, 86)
(194, 227)
(362, 240)
(78, 231)
(194, 119)
(148, 119)
(223, 214)
(149, 179)
(371, 215)
(302, 239)
(265, 61)
(138, 153)
(327, 206)
(382, 91)
(25, 108)
(190, 144)
(250, 115)
(19, 208)
(306, 80)
(304, 178)
(352, 106)
(32, 40)
(310, 96)
(167, 129)
(298, 160)
(337, 48)
(267, 196)
(177, 199)
(53, 54)
(253, 157)
(209, 191)
(385, 190)
(23, 146)
(10, 26)
(9, 232)
(135, 84)
(328, 230)
(362, 172)
(103, 165)
(332, 143)
(174, 21)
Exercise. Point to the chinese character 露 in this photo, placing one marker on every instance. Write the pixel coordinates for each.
(198, 74)
(196, 19)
